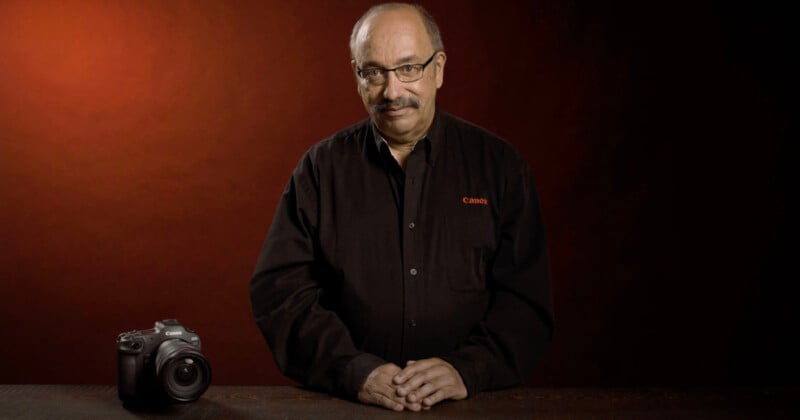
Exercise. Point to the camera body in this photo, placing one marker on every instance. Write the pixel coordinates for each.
(162, 364)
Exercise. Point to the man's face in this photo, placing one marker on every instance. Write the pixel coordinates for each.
(402, 111)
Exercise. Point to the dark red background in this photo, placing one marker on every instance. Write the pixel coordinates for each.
(144, 146)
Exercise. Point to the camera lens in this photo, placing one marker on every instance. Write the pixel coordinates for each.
(186, 373)
(183, 371)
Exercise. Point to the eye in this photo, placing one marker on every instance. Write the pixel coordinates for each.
(370, 72)
(408, 68)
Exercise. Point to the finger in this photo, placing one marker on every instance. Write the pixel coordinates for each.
(413, 406)
(375, 397)
(439, 379)
(421, 392)
(434, 398)
(412, 369)
(415, 382)
(438, 376)
(379, 390)
(384, 395)
(387, 402)
(444, 383)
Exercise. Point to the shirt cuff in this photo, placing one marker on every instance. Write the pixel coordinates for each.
(354, 373)
(467, 361)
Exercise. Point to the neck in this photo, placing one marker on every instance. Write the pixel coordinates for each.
(400, 151)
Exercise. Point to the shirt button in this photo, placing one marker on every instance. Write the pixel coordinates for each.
(413, 271)
(411, 225)
(412, 323)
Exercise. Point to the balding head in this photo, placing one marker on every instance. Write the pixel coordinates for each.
(431, 28)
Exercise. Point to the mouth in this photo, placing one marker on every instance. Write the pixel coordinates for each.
(395, 111)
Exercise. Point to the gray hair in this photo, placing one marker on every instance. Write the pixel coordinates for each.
(430, 24)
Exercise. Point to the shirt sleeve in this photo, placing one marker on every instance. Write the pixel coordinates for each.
(503, 348)
(309, 342)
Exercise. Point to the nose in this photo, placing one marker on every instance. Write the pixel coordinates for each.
(393, 88)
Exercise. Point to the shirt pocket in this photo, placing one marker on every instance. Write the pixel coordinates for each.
(471, 237)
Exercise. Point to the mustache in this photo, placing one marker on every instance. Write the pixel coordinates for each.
(400, 102)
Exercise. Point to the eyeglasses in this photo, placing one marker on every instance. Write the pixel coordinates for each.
(406, 73)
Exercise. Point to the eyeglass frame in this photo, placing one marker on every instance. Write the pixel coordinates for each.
(385, 72)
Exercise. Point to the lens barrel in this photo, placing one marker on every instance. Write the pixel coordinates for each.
(183, 371)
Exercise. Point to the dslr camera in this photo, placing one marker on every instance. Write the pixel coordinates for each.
(162, 365)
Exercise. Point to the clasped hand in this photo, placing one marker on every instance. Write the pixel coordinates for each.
(420, 385)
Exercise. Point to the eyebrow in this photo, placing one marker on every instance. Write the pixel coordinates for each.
(405, 60)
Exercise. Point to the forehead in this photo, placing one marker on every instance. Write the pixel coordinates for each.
(393, 37)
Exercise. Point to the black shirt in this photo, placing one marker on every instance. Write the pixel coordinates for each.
(365, 264)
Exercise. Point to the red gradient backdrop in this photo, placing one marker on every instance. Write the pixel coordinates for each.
(144, 146)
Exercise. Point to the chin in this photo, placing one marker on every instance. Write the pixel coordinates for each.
(395, 128)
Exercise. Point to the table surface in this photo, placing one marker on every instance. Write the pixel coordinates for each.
(283, 402)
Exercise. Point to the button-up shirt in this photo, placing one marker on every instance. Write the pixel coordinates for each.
(366, 264)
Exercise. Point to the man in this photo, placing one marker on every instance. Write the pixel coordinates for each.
(406, 264)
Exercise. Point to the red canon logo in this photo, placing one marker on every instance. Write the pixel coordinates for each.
(475, 200)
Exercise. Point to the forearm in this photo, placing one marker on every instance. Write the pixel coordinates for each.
(499, 356)
(309, 342)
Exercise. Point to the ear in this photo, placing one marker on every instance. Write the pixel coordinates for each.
(355, 74)
(441, 59)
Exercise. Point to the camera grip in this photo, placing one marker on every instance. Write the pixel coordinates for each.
(128, 371)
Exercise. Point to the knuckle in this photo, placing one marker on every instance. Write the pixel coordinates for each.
(435, 398)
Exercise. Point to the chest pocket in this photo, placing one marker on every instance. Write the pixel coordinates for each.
(470, 232)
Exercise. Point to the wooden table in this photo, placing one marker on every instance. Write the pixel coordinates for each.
(281, 402)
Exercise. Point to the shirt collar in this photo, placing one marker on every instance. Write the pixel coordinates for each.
(432, 141)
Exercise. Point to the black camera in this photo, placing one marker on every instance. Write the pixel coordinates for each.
(162, 364)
